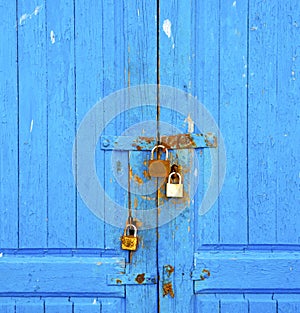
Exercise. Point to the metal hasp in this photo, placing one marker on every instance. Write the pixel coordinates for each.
(180, 141)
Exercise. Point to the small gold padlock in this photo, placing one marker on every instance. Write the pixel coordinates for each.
(174, 190)
(129, 242)
(159, 168)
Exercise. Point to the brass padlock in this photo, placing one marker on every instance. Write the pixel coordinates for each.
(159, 168)
(129, 242)
(174, 190)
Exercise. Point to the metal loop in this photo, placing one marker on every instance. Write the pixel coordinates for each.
(169, 178)
(130, 220)
(131, 226)
(159, 146)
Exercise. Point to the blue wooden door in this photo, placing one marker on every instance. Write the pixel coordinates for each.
(232, 68)
(239, 58)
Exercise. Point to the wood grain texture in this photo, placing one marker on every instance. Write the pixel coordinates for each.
(29, 305)
(7, 305)
(263, 101)
(140, 28)
(231, 303)
(241, 60)
(247, 272)
(175, 241)
(258, 303)
(33, 123)
(58, 305)
(89, 89)
(63, 276)
(207, 303)
(61, 125)
(287, 122)
(233, 120)
(9, 128)
(205, 74)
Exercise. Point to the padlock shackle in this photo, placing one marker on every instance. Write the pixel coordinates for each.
(159, 146)
(131, 226)
(174, 173)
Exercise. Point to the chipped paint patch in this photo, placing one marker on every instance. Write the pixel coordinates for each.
(52, 37)
(31, 126)
(136, 203)
(190, 123)
(27, 16)
(95, 301)
(167, 27)
(1, 254)
(234, 4)
(138, 179)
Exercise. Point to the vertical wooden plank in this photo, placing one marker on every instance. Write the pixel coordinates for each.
(261, 303)
(233, 303)
(287, 123)
(288, 303)
(141, 39)
(112, 305)
(86, 305)
(205, 61)
(7, 305)
(176, 238)
(233, 119)
(89, 85)
(207, 304)
(61, 128)
(32, 124)
(263, 101)
(58, 305)
(29, 305)
(9, 127)
(114, 57)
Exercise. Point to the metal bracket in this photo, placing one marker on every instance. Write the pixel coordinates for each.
(131, 279)
(180, 141)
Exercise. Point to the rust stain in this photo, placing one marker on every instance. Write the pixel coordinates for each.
(169, 269)
(206, 274)
(168, 290)
(138, 179)
(118, 281)
(136, 202)
(148, 198)
(130, 172)
(145, 139)
(179, 141)
(140, 278)
(208, 140)
(146, 174)
(137, 223)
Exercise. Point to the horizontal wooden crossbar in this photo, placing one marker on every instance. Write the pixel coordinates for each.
(252, 272)
(53, 275)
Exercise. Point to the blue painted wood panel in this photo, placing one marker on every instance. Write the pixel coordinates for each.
(251, 272)
(241, 60)
(9, 136)
(61, 124)
(33, 124)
